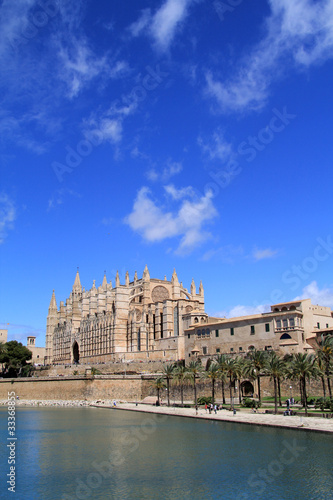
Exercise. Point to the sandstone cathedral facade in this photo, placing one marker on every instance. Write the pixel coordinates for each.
(143, 319)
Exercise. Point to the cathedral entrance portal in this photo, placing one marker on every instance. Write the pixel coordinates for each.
(76, 355)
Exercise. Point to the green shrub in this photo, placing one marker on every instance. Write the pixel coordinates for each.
(250, 403)
(203, 400)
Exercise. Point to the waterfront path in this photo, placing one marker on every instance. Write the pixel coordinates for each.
(317, 424)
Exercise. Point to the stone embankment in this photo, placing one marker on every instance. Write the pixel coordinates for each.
(62, 403)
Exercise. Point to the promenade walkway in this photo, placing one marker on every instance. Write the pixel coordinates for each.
(316, 424)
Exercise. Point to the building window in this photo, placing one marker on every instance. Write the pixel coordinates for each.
(252, 330)
(218, 350)
(302, 336)
(318, 325)
(251, 348)
(291, 322)
(231, 331)
(188, 336)
(231, 349)
(327, 325)
(240, 349)
(199, 333)
(204, 350)
(285, 323)
(216, 333)
(278, 323)
(207, 332)
(267, 327)
(189, 355)
(268, 347)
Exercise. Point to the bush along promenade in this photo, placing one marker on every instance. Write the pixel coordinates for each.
(226, 373)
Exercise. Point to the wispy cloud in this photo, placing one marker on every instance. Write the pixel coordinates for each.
(162, 25)
(227, 254)
(298, 33)
(216, 148)
(265, 253)
(188, 220)
(58, 198)
(165, 173)
(7, 216)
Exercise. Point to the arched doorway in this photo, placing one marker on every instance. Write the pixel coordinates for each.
(76, 354)
(247, 389)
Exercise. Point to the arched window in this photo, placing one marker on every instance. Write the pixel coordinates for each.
(285, 336)
(196, 320)
(276, 309)
(292, 308)
(284, 309)
(251, 348)
(207, 332)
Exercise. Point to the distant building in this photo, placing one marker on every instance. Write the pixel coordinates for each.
(286, 328)
(3, 336)
(143, 319)
(38, 353)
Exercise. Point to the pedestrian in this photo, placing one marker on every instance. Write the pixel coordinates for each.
(215, 409)
(288, 403)
(206, 407)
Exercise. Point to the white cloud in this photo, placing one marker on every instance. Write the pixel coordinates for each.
(240, 310)
(178, 194)
(298, 31)
(322, 297)
(162, 25)
(217, 148)
(7, 216)
(154, 223)
(226, 254)
(58, 197)
(265, 253)
(169, 170)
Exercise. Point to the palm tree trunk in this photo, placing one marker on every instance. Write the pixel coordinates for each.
(301, 392)
(239, 392)
(279, 388)
(275, 395)
(305, 397)
(213, 390)
(158, 396)
(223, 395)
(168, 386)
(329, 386)
(259, 389)
(230, 388)
(182, 395)
(195, 390)
(324, 386)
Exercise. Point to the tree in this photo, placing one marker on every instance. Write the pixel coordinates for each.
(158, 384)
(222, 364)
(14, 355)
(303, 368)
(168, 372)
(231, 369)
(212, 374)
(193, 371)
(256, 364)
(275, 367)
(179, 376)
(324, 354)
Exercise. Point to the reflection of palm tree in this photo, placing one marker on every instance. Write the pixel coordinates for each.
(302, 367)
(212, 374)
(168, 372)
(256, 364)
(193, 370)
(179, 376)
(324, 351)
(158, 384)
(275, 368)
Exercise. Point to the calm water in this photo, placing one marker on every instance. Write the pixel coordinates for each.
(66, 453)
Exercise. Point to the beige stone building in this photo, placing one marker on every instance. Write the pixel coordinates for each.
(3, 335)
(142, 319)
(286, 328)
(38, 353)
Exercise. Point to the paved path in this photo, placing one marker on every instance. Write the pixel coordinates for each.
(317, 424)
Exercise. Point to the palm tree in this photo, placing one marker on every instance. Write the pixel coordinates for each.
(158, 384)
(168, 372)
(325, 355)
(179, 376)
(241, 371)
(212, 374)
(303, 368)
(275, 367)
(231, 370)
(193, 371)
(256, 364)
(221, 362)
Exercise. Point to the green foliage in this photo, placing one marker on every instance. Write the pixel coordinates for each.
(250, 403)
(14, 356)
(324, 404)
(95, 371)
(75, 372)
(203, 400)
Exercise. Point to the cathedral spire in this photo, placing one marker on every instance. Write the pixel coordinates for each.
(201, 290)
(146, 275)
(104, 282)
(193, 290)
(135, 277)
(117, 279)
(127, 280)
(77, 283)
(174, 278)
(53, 303)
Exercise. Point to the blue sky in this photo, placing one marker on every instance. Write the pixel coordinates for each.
(187, 134)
